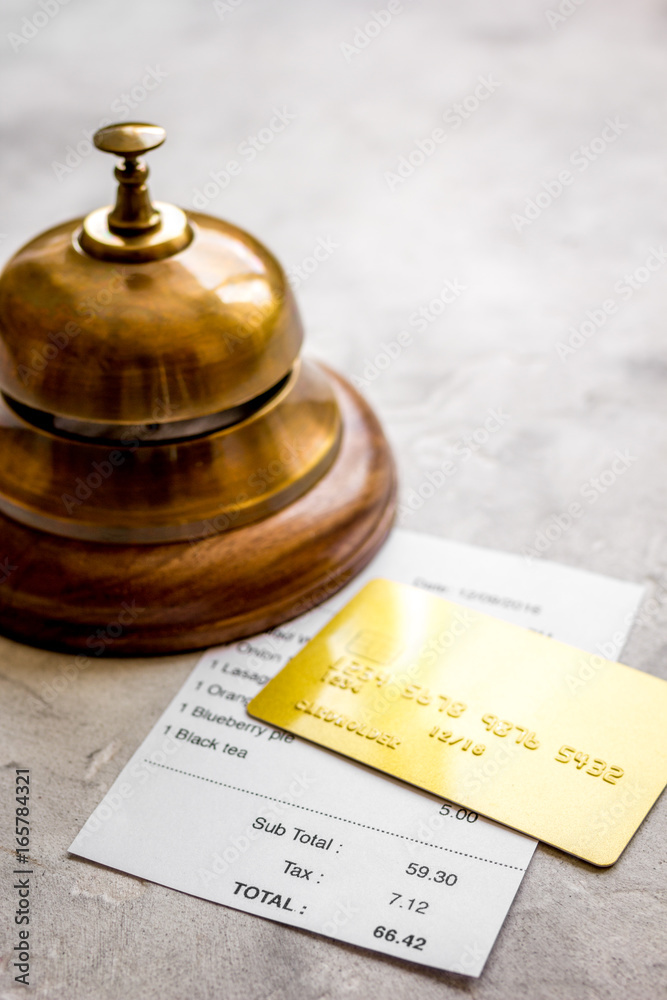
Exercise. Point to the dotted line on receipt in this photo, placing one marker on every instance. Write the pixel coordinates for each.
(341, 819)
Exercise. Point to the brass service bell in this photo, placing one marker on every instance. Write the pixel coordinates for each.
(164, 446)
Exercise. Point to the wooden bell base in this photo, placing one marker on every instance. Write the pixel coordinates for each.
(126, 600)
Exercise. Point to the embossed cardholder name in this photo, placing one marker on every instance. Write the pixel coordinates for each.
(560, 744)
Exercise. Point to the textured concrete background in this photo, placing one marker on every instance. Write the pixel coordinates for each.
(551, 82)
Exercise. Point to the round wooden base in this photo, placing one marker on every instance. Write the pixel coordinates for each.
(127, 600)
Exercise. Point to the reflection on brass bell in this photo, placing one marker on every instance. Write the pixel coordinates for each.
(173, 474)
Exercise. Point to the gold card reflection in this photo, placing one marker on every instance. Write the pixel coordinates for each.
(557, 743)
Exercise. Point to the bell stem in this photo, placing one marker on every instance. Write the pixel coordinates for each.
(133, 211)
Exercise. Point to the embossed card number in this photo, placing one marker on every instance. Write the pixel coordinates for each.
(598, 768)
(404, 682)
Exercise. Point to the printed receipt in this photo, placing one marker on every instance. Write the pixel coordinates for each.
(223, 807)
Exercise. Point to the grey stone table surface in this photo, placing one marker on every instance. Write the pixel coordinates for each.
(490, 178)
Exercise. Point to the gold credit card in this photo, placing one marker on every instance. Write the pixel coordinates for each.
(560, 744)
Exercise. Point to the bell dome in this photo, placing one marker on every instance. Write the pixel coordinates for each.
(119, 318)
